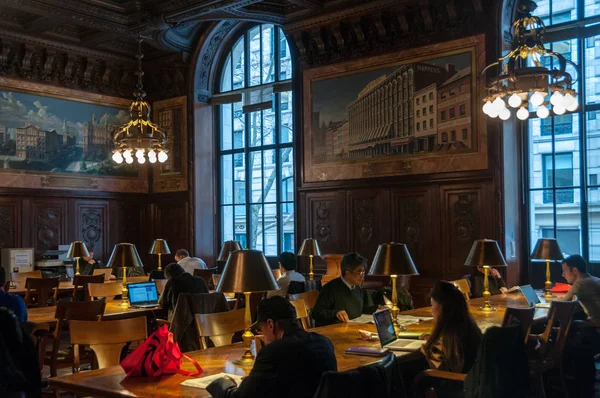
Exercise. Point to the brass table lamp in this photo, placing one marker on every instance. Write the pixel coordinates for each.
(160, 247)
(485, 253)
(393, 259)
(547, 249)
(228, 247)
(76, 251)
(310, 248)
(246, 271)
(124, 255)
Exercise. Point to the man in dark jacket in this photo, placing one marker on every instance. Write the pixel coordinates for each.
(179, 281)
(291, 363)
(342, 299)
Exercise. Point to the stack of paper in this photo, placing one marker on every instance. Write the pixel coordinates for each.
(202, 382)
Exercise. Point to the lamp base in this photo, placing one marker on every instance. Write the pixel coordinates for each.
(243, 361)
(548, 295)
(124, 303)
(487, 307)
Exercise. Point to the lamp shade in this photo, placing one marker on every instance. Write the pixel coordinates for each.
(228, 247)
(77, 249)
(393, 259)
(124, 255)
(159, 246)
(310, 247)
(247, 271)
(485, 252)
(547, 249)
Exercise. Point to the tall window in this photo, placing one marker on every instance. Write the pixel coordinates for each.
(564, 151)
(256, 167)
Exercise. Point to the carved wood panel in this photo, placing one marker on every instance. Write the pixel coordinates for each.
(10, 231)
(368, 220)
(171, 222)
(49, 224)
(324, 215)
(92, 227)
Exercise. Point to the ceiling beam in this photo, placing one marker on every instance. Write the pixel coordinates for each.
(43, 24)
(311, 4)
(206, 8)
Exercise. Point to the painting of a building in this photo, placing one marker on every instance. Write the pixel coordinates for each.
(34, 144)
(425, 105)
(3, 137)
(454, 130)
(340, 140)
(97, 135)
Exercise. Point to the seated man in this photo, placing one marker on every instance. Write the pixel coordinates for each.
(342, 299)
(87, 265)
(497, 285)
(188, 263)
(179, 281)
(11, 301)
(584, 286)
(291, 363)
(287, 266)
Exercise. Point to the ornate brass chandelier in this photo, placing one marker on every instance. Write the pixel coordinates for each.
(520, 85)
(139, 136)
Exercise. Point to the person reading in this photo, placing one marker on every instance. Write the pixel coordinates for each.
(476, 279)
(287, 266)
(178, 282)
(584, 286)
(188, 263)
(342, 299)
(291, 363)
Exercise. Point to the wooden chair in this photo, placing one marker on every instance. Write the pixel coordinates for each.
(551, 345)
(108, 290)
(523, 316)
(22, 276)
(276, 273)
(66, 312)
(106, 338)
(41, 288)
(215, 279)
(160, 285)
(310, 299)
(334, 267)
(464, 287)
(82, 281)
(137, 279)
(301, 313)
(219, 327)
(206, 274)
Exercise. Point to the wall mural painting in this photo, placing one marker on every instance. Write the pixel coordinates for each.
(45, 134)
(399, 119)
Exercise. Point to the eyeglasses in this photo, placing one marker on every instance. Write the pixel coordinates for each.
(359, 272)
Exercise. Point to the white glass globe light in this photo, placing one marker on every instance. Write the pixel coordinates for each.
(152, 159)
(573, 106)
(151, 153)
(504, 114)
(117, 157)
(514, 100)
(499, 104)
(141, 160)
(568, 100)
(127, 153)
(558, 109)
(537, 99)
(543, 112)
(493, 113)
(129, 160)
(162, 156)
(486, 107)
(556, 98)
(523, 113)
(139, 153)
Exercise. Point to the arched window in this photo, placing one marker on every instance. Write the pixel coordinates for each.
(256, 161)
(562, 153)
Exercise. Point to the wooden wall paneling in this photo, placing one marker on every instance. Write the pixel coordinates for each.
(368, 220)
(171, 222)
(91, 225)
(466, 215)
(49, 220)
(131, 225)
(10, 222)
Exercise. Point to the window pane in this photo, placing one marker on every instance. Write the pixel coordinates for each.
(269, 177)
(285, 71)
(287, 226)
(268, 52)
(240, 191)
(226, 180)
(270, 231)
(568, 220)
(227, 223)
(239, 123)
(539, 146)
(255, 128)
(256, 173)
(594, 223)
(254, 37)
(226, 75)
(240, 220)
(256, 227)
(559, 174)
(592, 70)
(286, 133)
(226, 127)
(287, 174)
(268, 123)
(239, 65)
(592, 8)
(555, 12)
(541, 214)
(593, 148)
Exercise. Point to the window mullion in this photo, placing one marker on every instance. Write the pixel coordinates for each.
(583, 177)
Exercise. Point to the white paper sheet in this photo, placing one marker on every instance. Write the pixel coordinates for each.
(202, 382)
(364, 318)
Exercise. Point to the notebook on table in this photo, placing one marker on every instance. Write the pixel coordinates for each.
(532, 297)
(143, 294)
(387, 335)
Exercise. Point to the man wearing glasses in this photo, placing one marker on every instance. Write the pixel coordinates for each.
(342, 299)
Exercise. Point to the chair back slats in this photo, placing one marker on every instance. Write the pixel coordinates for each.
(559, 323)
(44, 288)
(108, 290)
(160, 285)
(219, 327)
(206, 274)
(107, 338)
(22, 276)
(523, 316)
(463, 286)
(301, 312)
(82, 281)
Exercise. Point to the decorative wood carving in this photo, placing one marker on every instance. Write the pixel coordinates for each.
(8, 221)
(49, 225)
(323, 222)
(364, 219)
(324, 214)
(91, 227)
(369, 225)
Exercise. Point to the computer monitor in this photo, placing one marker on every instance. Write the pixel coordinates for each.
(15, 260)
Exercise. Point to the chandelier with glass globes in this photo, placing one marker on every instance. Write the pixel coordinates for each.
(524, 80)
(139, 137)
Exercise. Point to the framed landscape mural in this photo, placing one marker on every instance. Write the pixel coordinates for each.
(413, 112)
(52, 137)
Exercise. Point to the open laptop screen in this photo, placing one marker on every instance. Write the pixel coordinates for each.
(530, 295)
(385, 327)
(141, 293)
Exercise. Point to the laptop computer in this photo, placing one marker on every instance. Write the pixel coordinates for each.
(107, 272)
(143, 294)
(532, 297)
(387, 335)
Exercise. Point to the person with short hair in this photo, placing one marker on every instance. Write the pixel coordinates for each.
(342, 299)
(11, 301)
(476, 281)
(584, 286)
(287, 266)
(188, 263)
(291, 363)
(179, 281)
